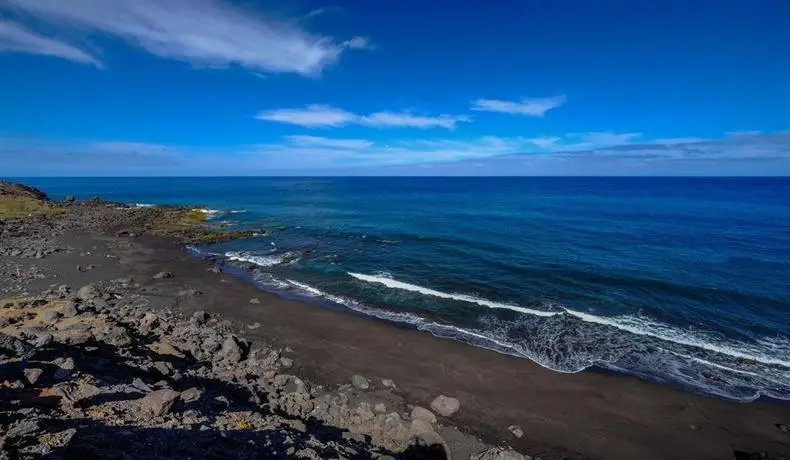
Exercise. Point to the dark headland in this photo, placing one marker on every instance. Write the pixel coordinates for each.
(116, 343)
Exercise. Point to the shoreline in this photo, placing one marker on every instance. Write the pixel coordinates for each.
(392, 318)
(555, 408)
(581, 415)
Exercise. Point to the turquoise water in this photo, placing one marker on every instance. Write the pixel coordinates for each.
(679, 280)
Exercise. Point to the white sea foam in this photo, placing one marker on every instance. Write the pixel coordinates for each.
(394, 284)
(647, 327)
(263, 261)
(209, 212)
(637, 325)
(143, 205)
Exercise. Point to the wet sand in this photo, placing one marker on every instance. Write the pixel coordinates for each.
(583, 415)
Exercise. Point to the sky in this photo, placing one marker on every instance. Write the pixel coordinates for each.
(408, 87)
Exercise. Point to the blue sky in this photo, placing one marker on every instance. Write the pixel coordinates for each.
(522, 87)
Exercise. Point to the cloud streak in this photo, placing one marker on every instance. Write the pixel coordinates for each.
(200, 32)
(487, 155)
(533, 107)
(18, 39)
(324, 116)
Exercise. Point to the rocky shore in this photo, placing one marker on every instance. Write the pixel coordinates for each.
(119, 368)
(116, 343)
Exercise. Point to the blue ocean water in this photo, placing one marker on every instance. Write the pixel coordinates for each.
(679, 280)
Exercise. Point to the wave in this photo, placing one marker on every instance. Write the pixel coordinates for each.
(394, 284)
(143, 205)
(262, 260)
(634, 324)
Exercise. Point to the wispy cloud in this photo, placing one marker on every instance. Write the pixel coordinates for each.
(409, 120)
(317, 115)
(316, 141)
(742, 133)
(200, 32)
(358, 43)
(533, 107)
(18, 39)
(313, 116)
(761, 154)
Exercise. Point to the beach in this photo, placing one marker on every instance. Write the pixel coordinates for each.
(582, 415)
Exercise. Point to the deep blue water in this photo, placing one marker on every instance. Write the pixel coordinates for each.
(679, 280)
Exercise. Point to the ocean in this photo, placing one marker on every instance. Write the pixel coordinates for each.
(683, 281)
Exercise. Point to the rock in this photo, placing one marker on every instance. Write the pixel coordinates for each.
(49, 316)
(423, 414)
(783, 427)
(165, 349)
(499, 453)
(286, 362)
(360, 382)
(70, 199)
(68, 310)
(32, 374)
(59, 440)
(23, 428)
(230, 351)
(254, 325)
(191, 395)
(88, 292)
(516, 430)
(13, 347)
(199, 318)
(445, 406)
(66, 368)
(163, 367)
(43, 340)
(149, 321)
(78, 392)
(139, 385)
(163, 275)
(254, 300)
(387, 383)
(15, 253)
(116, 336)
(158, 403)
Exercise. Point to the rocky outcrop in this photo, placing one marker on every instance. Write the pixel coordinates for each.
(10, 189)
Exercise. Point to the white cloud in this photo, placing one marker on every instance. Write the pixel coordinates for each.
(15, 38)
(742, 133)
(358, 43)
(201, 32)
(408, 120)
(316, 141)
(533, 107)
(314, 115)
(318, 115)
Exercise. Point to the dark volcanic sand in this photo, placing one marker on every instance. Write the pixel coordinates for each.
(584, 415)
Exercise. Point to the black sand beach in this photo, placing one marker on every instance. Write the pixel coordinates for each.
(584, 415)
